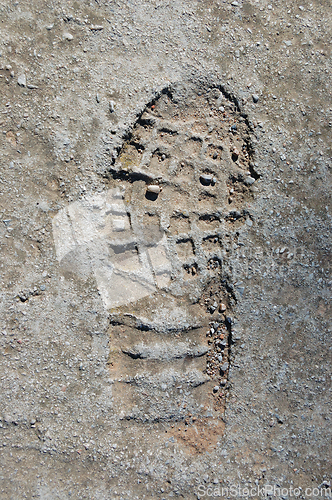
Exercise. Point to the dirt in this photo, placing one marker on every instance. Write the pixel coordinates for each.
(165, 248)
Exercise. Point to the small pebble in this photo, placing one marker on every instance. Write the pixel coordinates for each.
(216, 388)
(112, 106)
(96, 27)
(98, 98)
(224, 367)
(206, 179)
(68, 36)
(21, 80)
(235, 154)
(255, 98)
(223, 381)
(222, 307)
(153, 188)
(249, 181)
(213, 307)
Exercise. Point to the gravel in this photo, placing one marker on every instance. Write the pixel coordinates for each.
(58, 418)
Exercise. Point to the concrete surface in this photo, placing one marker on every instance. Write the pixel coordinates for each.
(98, 96)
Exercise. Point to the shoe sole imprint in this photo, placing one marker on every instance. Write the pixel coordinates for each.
(169, 352)
(157, 242)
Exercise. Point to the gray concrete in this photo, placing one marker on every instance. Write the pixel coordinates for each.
(75, 78)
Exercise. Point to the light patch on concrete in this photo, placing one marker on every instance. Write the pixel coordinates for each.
(97, 228)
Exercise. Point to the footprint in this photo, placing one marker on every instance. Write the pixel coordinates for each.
(158, 264)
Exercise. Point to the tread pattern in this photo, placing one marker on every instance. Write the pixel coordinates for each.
(169, 352)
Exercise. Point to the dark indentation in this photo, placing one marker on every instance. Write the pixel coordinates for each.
(143, 327)
(235, 156)
(138, 146)
(23, 298)
(132, 354)
(186, 240)
(162, 155)
(195, 139)
(115, 322)
(209, 217)
(146, 122)
(253, 172)
(205, 195)
(152, 104)
(214, 263)
(236, 178)
(211, 241)
(214, 151)
(151, 196)
(236, 215)
(135, 354)
(228, 323)
(198, 354)
(180, 216)
(167, 91)
(25, 295)
(191, 269)
(165, 130)
(131, 177)
(230, 97)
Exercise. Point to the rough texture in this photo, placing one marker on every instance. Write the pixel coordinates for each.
(98, 96)
(195, 146)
